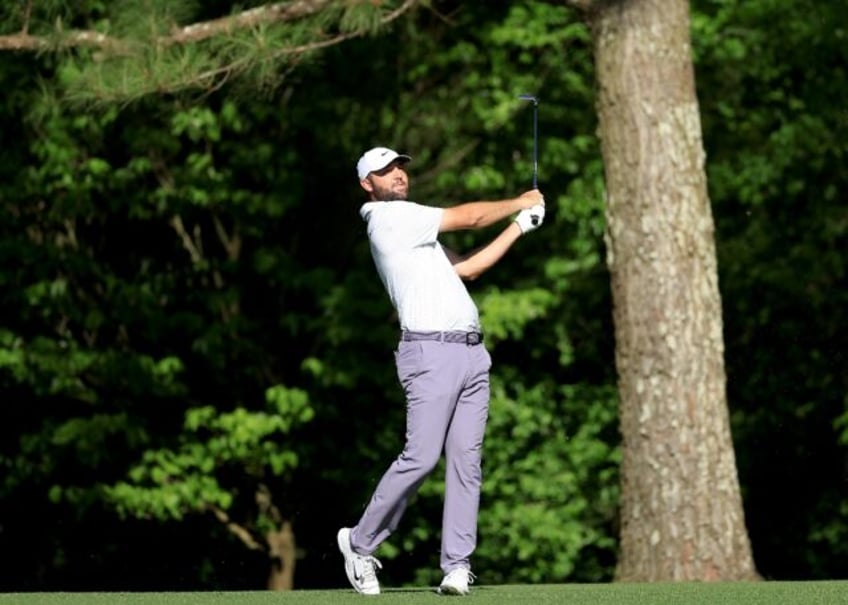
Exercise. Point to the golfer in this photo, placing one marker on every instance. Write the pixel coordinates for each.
(441, 361)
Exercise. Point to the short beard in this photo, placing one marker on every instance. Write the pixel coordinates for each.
(380, 194)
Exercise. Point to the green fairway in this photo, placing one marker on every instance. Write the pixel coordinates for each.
(761, 593)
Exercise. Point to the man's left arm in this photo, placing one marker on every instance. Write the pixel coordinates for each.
(478, 262)
(473, 265)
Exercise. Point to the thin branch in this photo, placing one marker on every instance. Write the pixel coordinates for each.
(27, 42)
(188, 243)
(232, 244)
(27, 13)
(239, 531)
(71, 234)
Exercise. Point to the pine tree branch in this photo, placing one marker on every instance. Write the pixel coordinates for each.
(278, 12)
(24, 41)
(202, 56)
(196, 32)
(216, 77)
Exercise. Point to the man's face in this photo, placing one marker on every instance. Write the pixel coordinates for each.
(390, 183)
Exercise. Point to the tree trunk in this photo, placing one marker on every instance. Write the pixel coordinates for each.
(682, 516)
(282, 552)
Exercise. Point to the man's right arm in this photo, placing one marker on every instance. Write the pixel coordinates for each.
(475, 215)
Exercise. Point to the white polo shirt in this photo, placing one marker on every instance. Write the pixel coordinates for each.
(420, 280)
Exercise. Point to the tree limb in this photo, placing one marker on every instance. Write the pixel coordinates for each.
(196, 32)
(234, 528)
(24, 41)
(231, 243)
(188, 243)
(218, 76)
(261, 15)
(100, 79)
(278, 12)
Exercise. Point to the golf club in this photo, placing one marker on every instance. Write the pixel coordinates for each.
(535, 101)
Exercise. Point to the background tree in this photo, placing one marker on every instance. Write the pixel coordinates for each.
(681, 507)
(220, 457)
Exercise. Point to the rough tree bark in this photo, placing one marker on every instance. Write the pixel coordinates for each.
(282, 552)
(681, 515)
(279, 543)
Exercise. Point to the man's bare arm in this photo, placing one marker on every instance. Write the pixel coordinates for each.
(475, 215)
(473, 265)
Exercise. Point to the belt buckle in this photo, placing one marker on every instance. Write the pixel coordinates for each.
(473, 338)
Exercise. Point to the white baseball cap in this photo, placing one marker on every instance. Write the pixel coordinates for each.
(377, 159)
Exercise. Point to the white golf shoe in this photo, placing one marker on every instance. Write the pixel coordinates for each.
(361, 570)
(456, 582)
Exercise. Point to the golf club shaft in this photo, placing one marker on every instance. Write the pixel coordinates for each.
(535, 144)
(535, 101)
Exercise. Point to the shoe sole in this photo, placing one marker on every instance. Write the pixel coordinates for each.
(451, 591)
(343, 540)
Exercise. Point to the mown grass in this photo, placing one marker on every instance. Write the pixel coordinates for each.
(742, 593)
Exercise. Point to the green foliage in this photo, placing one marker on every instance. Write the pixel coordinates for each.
(169, 483)
(191, 316)
(199, 235)
(506, 313)
(550, 490)
(829, 525)
(551, 484)
(776, 143)
(134, 49)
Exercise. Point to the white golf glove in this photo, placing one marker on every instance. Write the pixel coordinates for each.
(530, 218)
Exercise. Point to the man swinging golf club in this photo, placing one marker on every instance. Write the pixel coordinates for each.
(441, 361)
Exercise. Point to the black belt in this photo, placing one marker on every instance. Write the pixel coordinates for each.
(468, 338)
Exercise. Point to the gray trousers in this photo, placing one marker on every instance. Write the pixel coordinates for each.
(447, 406)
